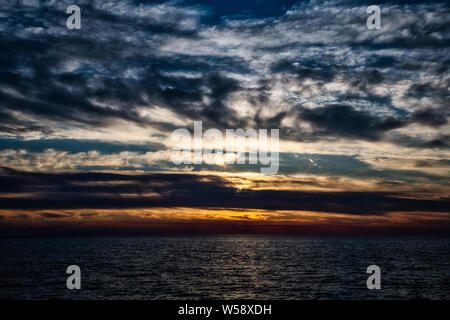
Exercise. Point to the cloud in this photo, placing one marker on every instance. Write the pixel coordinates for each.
(431, 117)
(197, 64)
(54, 215)
(51, 159)
(76, 145)
(359, 103)
(109, 190)
(343, 120)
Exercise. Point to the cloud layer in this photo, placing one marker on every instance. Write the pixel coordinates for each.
(363, 106)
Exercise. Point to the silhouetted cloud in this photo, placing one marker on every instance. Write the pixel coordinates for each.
(106, 190)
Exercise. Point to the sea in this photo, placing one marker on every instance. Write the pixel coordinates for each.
(225, 267)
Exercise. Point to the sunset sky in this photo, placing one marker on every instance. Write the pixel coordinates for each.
(86, 116)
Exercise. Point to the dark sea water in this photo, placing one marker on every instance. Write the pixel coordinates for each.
(224, 267)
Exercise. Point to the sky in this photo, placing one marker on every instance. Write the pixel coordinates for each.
(86, 116)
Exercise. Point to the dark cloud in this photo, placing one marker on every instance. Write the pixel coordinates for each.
(103, 190)
(431, 117)
(345, 121)
(54, 215)
(88, 214)
(217, 111)
(437, 143)
(114, 66)
(34, 67)
(12, 125)
(381, 61)
(21, 216)
(271, 64)
(421, 90)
